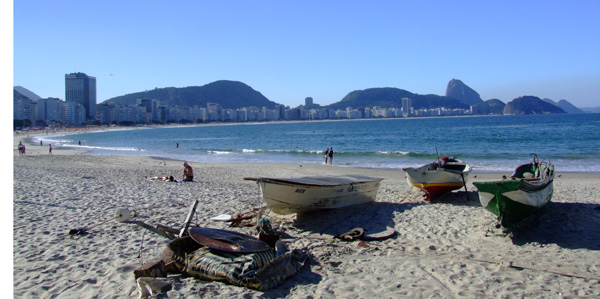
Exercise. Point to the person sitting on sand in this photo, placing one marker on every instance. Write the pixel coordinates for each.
(163, 178)
(188, 173)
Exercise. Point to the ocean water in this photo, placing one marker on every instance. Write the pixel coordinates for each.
(489, 143)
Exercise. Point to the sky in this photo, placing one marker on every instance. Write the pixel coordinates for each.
(290, 50)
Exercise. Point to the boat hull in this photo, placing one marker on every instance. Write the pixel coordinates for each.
(436, 181)
(287, 197)
(516, 199)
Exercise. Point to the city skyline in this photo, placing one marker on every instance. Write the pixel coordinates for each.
(290, 51)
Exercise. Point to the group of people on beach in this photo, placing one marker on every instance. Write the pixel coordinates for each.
(22, 148)
(329, 154)
(188, 175)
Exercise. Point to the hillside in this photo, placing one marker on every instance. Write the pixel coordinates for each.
(493, 106)
(564, 105)
(591, 109)
(26, 92)
(229, 94)
(392, 97)
(233, 95)
(530, 105)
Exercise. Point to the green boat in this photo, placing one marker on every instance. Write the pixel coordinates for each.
(525, 193)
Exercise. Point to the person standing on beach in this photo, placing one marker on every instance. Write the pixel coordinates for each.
(331, 155)
(326, 155)
(20, 148)
(188, 173)
(50, 150)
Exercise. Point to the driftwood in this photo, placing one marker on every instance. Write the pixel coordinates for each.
(169, 232)
(152, 269)
(237, 221)
(188, 219)
(156, 230)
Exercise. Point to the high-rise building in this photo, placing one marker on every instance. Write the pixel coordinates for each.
(407, 107)
(308, 102)
(81, 88)
(24, 109)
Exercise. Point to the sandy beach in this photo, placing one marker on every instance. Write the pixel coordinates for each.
(442, 249)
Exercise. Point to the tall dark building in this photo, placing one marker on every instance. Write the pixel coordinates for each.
(308, 102)
(81, 88)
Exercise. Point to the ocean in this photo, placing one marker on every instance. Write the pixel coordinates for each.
(489, 143)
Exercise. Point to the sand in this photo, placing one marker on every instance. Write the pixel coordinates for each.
(442, 249)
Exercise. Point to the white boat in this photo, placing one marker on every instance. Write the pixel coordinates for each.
(438, 178)
(305, 194)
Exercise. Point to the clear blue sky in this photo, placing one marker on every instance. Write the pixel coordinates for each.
(289, 50)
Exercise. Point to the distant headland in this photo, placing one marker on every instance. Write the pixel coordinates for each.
(236, 95)
(233, 101)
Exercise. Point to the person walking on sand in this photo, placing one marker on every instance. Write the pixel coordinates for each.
(326, 155)
(188, 173)
(20, 148)
(50, 150)
(331, 156)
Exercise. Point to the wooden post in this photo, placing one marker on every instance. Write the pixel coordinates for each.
(188, 219)
(465, 184)
(154, 230)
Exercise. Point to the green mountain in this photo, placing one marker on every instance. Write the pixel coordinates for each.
(229, 94)
(392, 98)
(530, 105)
(493, 106)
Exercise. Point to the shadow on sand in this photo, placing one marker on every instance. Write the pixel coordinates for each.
(375, 217)
(568, 225)
(305, 277)
(459, 198)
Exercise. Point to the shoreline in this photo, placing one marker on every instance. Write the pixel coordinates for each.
(442, 248)
(76, 151)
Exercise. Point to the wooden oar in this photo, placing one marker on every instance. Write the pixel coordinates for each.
(462, 175)
(465, 184)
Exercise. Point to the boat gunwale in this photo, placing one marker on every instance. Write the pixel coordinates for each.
(295, 181)
(467, 167)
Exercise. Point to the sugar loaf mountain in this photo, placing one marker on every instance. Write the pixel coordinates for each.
(234, 95)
